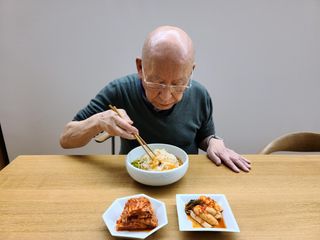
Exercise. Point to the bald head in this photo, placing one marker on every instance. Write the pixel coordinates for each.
(170, 44)
(167, 59)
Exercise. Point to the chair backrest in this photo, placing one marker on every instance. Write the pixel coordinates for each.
(4, 159)
(100, 138)
(113, 145)
(294, 142)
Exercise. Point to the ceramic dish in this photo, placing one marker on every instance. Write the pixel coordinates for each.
(157, 178)
(112, 214)
(185, 224)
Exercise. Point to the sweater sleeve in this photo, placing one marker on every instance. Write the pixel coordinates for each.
(99, 103)
(207, 127)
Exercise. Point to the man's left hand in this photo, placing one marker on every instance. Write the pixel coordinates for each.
(219, 153)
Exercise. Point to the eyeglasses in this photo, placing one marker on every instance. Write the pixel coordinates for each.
(160, 86)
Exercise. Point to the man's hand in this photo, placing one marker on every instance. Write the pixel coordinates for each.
(219, 153)
(115, 125)
(79, 133)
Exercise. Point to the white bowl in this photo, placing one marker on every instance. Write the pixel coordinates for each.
(157, 178)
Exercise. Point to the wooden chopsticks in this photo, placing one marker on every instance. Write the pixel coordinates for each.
(143, 144)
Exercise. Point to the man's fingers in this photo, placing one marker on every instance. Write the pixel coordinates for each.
(125, 125)
(219, 153)
(118, 131)
(214, 158)
(239, 163)
(226, 159)
(248, 165)
(230, 164)
(116, 125)
(245, 160)
(125, 116)
(124, 134)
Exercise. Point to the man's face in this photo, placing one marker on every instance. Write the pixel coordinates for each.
(165, 82)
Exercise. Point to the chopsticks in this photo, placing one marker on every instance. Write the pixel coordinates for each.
(143, 144)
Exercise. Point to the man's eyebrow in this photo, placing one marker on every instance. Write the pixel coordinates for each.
(181, 81)
(176, 81)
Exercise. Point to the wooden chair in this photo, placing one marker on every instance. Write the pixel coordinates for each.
(294, 142)
(100, 138)
(4, 160)
(113, 145)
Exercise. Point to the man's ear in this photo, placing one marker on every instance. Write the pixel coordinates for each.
(139, 67)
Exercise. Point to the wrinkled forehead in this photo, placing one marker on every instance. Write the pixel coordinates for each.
(168, 73)
(166, 67)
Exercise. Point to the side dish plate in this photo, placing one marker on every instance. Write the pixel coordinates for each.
(185, 224)
(111, 215)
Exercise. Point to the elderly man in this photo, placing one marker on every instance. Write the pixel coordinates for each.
(161, 103)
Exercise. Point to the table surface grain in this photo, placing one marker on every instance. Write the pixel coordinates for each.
(64, 197)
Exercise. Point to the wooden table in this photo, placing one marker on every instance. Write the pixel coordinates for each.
(63, 197)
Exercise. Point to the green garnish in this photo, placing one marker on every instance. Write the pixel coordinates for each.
(138, 164)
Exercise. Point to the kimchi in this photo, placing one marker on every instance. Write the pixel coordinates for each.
(137, 214)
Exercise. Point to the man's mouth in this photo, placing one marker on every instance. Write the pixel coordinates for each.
(166, 104)
(162, 106)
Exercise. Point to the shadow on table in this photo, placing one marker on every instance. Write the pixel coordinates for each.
(208, 235)
(100, 163)
(119, 175)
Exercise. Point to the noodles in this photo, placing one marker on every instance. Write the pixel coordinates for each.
(166, 161)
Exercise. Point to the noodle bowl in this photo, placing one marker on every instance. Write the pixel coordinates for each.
(174, 163)
(165, 161)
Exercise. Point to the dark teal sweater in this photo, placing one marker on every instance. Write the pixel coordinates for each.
(185, 125)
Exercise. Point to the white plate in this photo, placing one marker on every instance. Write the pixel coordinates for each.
(186, 225)
(112, 214)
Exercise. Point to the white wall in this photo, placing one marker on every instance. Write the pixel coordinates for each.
(259, 59)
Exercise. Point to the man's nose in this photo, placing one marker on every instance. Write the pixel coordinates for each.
(165, 93)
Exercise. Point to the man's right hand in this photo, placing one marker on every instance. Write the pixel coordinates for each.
(110, 122)
(79, 133)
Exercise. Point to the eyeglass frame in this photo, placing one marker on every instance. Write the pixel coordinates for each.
(161, 86)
